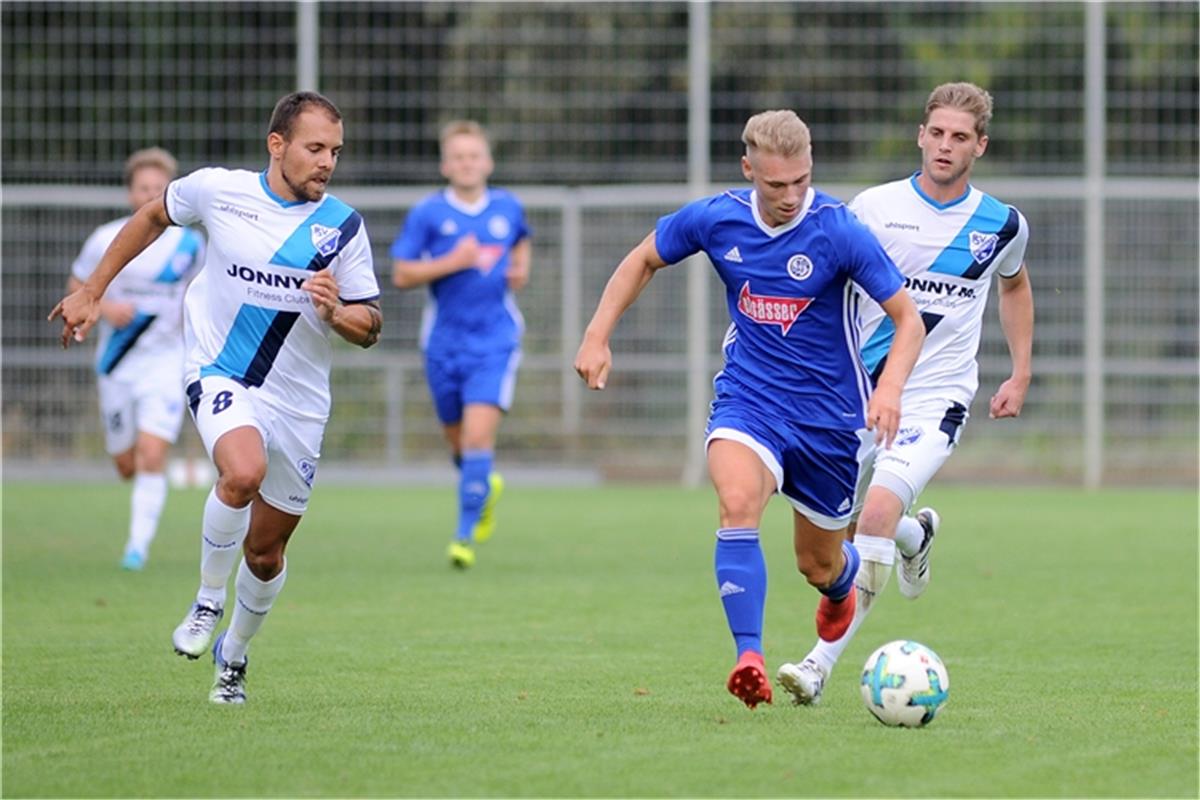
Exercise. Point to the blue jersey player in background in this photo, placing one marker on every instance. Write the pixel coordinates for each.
(793, 401)
(470, 244)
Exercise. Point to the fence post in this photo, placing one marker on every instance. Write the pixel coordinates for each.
(699, 135)
(1093, 248)
(306, 46)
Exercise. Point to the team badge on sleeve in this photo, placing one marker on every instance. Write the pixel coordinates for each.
(982, 245)
(325, 239)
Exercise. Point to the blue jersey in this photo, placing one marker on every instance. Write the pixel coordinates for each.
(471, 310)
(793, 346)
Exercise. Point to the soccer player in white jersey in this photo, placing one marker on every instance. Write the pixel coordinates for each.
(139, 352)
(949, 239)
(469, 244)
(286, 263)
(792, 401)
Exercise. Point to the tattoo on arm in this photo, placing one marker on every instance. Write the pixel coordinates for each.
(376, 325)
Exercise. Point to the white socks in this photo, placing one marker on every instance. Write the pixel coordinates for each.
(909, 535)
(222, 533)
(878, 557)
(254, 600)
(145, 507)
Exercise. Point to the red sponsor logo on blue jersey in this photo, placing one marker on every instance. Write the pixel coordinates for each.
(767, 310)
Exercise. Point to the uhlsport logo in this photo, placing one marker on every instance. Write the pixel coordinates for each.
(767, 310)
(799, 266)
(982, 245)
(308, 470)
(325, 239)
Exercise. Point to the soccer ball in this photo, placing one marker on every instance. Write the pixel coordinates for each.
(905, 683)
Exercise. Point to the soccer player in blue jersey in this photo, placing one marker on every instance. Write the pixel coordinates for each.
(793, 401)
(470, 245)
(286, 264)
(139, 356)
(949, 240)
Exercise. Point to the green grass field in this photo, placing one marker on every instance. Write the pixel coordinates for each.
(585, 655)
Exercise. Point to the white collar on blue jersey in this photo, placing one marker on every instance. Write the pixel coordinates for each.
(787, 226)
(470, 209)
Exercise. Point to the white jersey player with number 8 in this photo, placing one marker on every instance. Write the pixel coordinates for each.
(948, 239)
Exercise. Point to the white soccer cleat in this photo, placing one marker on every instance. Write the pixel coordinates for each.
(194, 634)
(805, 681)
(913, 575)
(229, 683)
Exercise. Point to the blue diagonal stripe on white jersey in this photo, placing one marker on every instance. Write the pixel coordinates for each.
(991, 216)
(878, 345)
(189, 245)
(300, 252)
(122, 341)
(249, 328)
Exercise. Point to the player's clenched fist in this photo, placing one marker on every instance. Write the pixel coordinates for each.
(592, 362)
(324, 291)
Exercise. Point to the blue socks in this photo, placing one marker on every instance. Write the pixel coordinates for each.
(472, 490)
(841, 588)
(742, 582)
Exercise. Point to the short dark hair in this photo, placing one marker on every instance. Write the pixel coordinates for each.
(291, 106)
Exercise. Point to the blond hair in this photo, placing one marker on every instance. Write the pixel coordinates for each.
(155, 157)
(460, 127)
(962, 96)
(779, 132)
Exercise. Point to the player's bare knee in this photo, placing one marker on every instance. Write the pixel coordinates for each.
(239, 486)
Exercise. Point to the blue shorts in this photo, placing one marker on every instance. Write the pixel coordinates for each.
(457, 379)
(814, 468)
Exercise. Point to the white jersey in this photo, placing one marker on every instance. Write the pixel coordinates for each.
(245, 315)
(153, 283)
(947, 253)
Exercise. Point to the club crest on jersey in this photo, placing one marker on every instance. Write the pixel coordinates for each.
(982, 245)
(308, 470)
(799, 266)
(325, 239)
(498, 226)
(767, 310)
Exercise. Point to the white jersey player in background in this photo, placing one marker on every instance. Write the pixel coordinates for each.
(948, 239)
(139, 349)
(286, 263)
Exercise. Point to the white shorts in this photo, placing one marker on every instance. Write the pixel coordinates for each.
(925, 439)
(153, 404)
(292, 443)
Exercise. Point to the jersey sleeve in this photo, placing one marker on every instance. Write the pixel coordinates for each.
(85, 263)
(682, 233)
(355, 270)
(869, 264)
(188, 198)
(522, 227)
(1014, 255)
(413, 240)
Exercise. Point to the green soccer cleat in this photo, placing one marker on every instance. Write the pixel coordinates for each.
(461, 555)
(487, 518)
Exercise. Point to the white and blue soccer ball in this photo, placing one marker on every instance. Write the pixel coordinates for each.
(905, 684)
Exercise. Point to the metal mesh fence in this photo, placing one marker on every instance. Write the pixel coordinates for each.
(588, 104)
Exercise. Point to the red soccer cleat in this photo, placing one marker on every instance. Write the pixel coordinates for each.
(748, 681)
(833, 619)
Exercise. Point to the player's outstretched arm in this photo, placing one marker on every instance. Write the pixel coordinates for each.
(409, 274)
(81, 308)
(883, 412)
(358, 323)
(1016, 318)
(594, 359)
